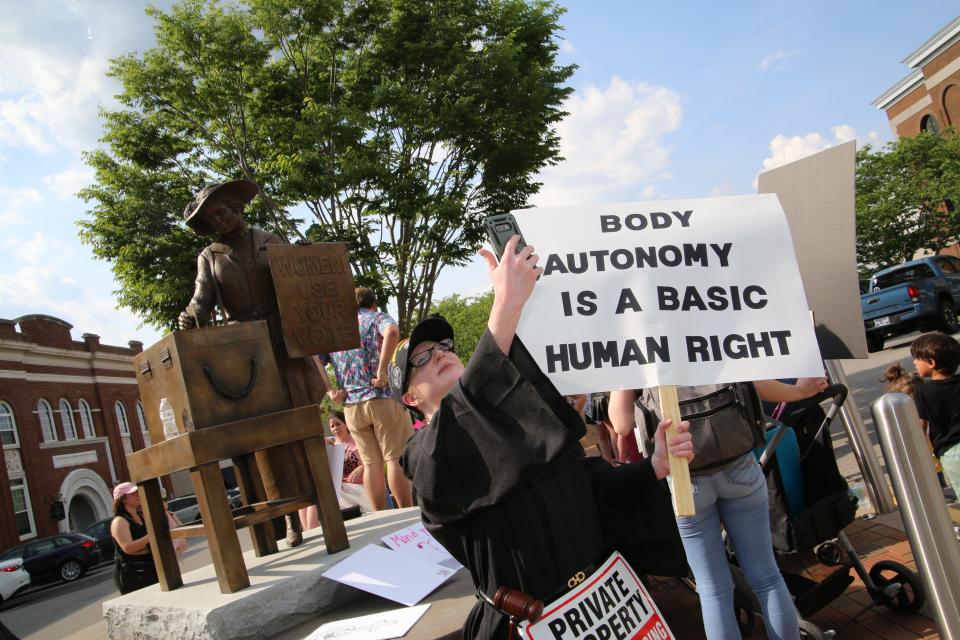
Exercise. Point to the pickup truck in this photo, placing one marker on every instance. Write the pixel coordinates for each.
(921, 294)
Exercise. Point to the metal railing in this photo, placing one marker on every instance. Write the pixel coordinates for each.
(873, 477)
(922, 506)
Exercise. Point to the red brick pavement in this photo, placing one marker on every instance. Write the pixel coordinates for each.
(849, 615)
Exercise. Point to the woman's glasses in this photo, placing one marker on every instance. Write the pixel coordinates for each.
(423, 357)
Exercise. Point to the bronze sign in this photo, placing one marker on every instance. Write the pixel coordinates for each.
(318, 306)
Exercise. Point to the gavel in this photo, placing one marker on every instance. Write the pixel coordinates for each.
(518, 605)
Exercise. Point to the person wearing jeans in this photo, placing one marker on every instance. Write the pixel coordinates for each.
(736, 496)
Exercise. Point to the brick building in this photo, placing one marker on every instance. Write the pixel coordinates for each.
(69, 411)
(928, 98)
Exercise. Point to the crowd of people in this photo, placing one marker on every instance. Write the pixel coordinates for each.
(495, 457)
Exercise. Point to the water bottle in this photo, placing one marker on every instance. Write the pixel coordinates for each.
(169, 420)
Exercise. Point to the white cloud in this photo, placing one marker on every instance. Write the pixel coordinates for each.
(612, 140)
(725, 188)
(54, 80)
(774, 60)
(13, 202)
(567, 47)
(50, 293)
(68, 182)
(786, 149)
(41, 250)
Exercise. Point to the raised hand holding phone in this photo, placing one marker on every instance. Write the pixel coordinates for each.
(500, 228)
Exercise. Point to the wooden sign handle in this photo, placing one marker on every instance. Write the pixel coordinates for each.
(679, 469)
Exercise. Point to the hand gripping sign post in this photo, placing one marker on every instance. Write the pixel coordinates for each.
(672, 292)
(609, 604)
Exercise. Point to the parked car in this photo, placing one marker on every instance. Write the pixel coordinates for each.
(233, 497)
(185, 508)
(920, 294)
(100, 531)
(65, 556)
(13, 577)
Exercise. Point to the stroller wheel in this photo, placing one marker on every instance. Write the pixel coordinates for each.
(829, 553)
(810, 631)
(909, 598)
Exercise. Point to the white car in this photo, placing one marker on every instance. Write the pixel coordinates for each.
(13, 577)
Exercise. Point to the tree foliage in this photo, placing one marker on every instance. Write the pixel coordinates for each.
(468, 317)
(391, 125)
(906, 196)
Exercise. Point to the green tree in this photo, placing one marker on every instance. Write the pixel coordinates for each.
(394, 126)
(468, 317)
(905, 200)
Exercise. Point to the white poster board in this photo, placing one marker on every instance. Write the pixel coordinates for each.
(818, 196)
(415, 540)
(376, 626)
(335, 455)
(395, 576)
(672, 292)
(609, 603)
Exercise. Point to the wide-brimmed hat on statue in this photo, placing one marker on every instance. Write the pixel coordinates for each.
(241, 191)
(432, 328)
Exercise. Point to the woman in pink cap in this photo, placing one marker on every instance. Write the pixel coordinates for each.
(133, 563)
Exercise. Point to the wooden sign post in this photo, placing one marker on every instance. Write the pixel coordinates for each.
(318, 306)
(682, 490)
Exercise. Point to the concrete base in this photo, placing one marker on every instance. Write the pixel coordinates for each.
(286, 589)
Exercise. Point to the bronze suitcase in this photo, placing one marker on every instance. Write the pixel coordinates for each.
(210, 376)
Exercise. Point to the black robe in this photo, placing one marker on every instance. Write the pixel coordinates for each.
(504, 486)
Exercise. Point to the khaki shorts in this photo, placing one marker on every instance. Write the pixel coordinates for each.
(380, 427)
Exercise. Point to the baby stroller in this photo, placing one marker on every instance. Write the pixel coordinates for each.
(810, 505)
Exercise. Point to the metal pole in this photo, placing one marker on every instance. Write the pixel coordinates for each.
(860, 443)
(922, 506)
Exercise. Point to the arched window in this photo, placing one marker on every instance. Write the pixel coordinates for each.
(929, 124)
(45, 415)
(66, 419)
(143, 424)
(121, 412)
(8, 426)
(86, 419)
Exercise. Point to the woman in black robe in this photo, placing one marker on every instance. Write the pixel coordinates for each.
(501, 479)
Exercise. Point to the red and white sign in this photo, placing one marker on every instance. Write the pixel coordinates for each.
(610, 604)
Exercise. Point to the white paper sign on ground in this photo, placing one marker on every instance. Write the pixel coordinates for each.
(417, 541)
(395, 576)
(376, 626)
(679, 292)
(609, 603)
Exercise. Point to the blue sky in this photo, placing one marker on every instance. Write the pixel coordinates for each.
(672, 99)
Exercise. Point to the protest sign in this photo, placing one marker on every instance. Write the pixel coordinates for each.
(673, 292)
(609, 604)
(318, 306)
(375, 626)
(417, 541)
(395, 576)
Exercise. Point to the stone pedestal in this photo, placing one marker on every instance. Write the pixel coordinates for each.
(286, 589)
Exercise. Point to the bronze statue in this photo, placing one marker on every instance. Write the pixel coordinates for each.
(234, 275)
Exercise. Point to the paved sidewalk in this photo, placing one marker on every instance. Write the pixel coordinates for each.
(848, 615)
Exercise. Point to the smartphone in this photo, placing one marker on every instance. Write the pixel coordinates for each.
(500, 228)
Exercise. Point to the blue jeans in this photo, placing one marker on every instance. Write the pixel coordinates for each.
(950, 461)
(737, 497)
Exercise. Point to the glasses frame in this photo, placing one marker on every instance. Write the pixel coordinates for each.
(443, 345)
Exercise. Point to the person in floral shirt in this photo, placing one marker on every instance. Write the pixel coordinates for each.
(379, 424)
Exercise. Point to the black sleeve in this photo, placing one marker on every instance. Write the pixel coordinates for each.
(515, 384)
(623, 484)
(491, 375)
